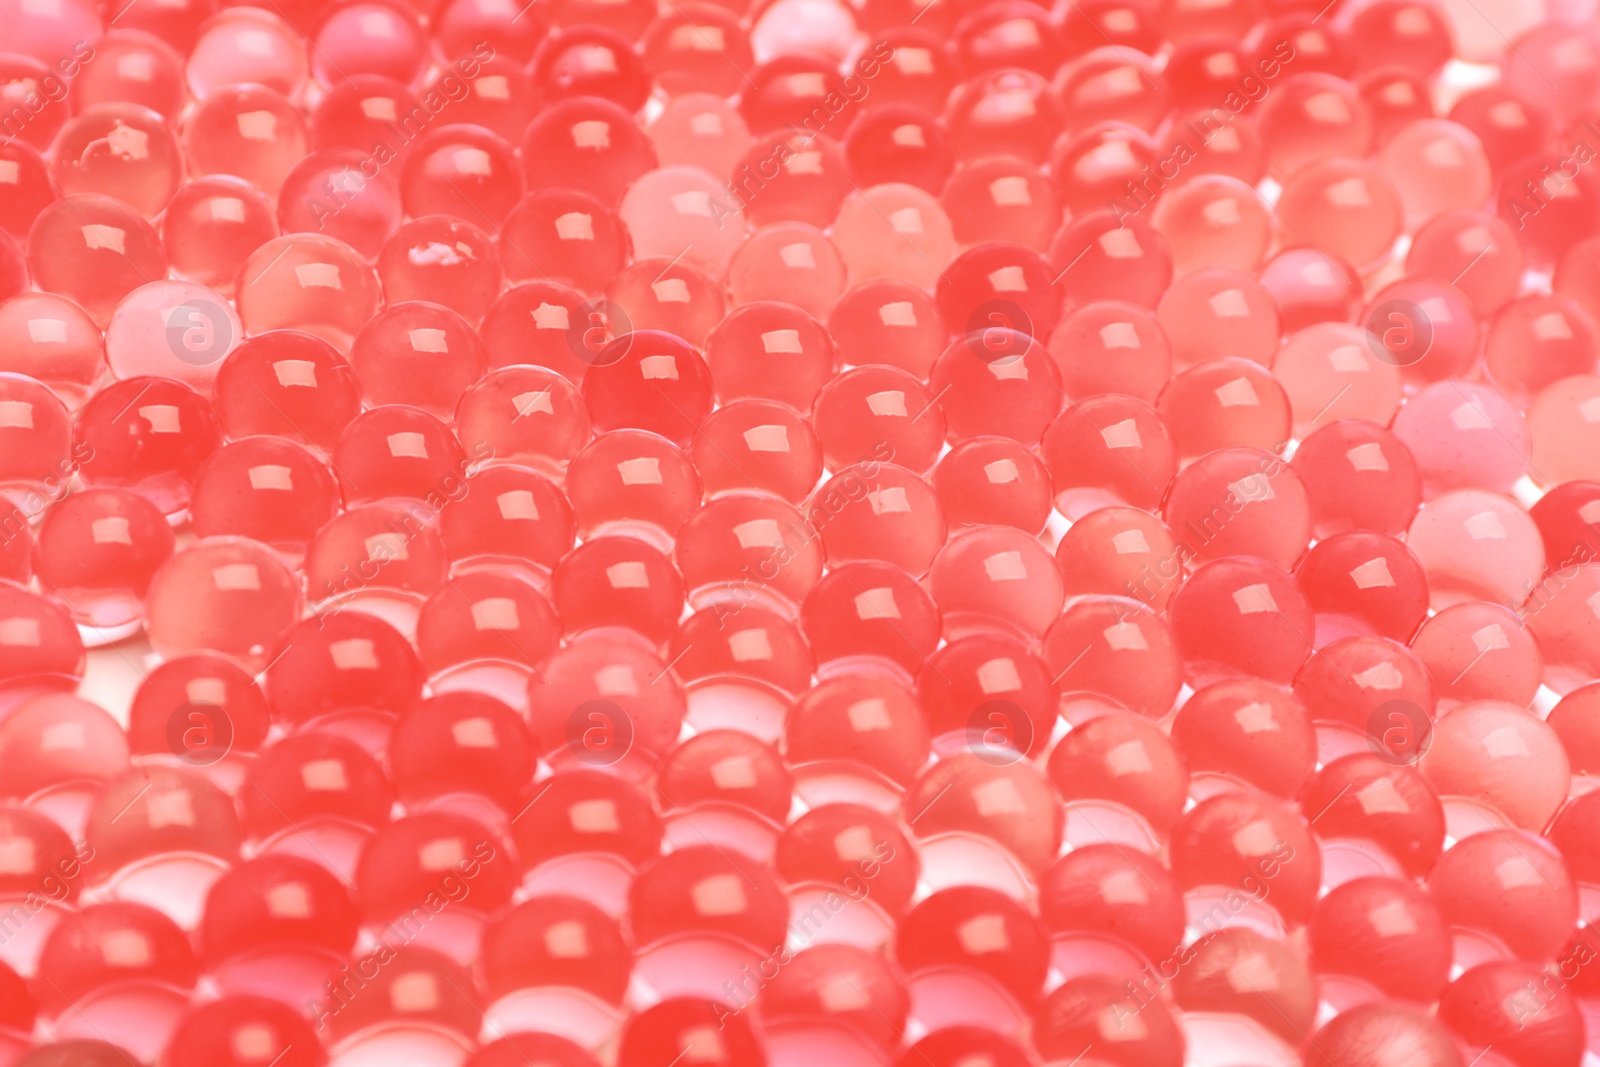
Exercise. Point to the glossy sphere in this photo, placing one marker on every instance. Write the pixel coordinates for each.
(1536, 340)
(743, 536)
(1001, 198)
(340, 660)
(241, 915)
(1240, 502)
(215, 702)
(407, 860)
(1117, 648)
(486, 615)
(460, 743)
(933, 933)
(28, 83)
(888, 321)
(1126, 758)
(211, 226)
(333, 192)
(98, 549)
(870, 608)
(673, 208)
(1455, 535)
(770, 351)
(249, 132)
(417, 353)
(95, 251)
(618, 581)
(878, 413)
(1249, 843)
(149, 435)
(758, 444)
(700, 130)
(562, 823)
(875, 510)
(1280, 993)
(227, 594)
(351, 113)
(674, 1024)
(309, 282)
(1362, 582)
(1510, 884)
(266, 488)
(525, 415)
(1251, 730)
(1366, 795)
(787, 261)
(123, 150)
(1310, 286)
(699, 49)
(80, 956)
(726, 766)
(32, 754)
(1214, 221)
(445, 260)
(1479, 1007)
(1311, 117)
(998, 574)
(289, 384)
(1242, 615)
(1480, 651)
(369, 38)
(390, 547)
(1219, 312)
(1561, 433)
(554, 940)
(171, 329)
(1120, 551)
(1106, 450)
(1080, 1015)
(1474, 251)
(997, 382)
(1385, 1032)
(144, 800)
(1106, 889)
(1436, 166)
(1224, 403)
(1103, 255)
(703, 888)
(840, 844)
(661, 294)
(1567, 521)
(1346, 207)
(886, 734)
(29, 189)
(214, 1033)
(632, 481)
(310, 776)
(1334, 371)
(895, 231)
(247, 46)
(1358, 476)
(1386, 931)
(993, 481)
(649, 380)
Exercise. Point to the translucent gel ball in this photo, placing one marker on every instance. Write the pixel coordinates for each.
(308, 282)
(1512, 884)
(121, 150)
(1477, 545)
(1346, 207)
(95, 251)
(169, 329)
(250, 132)
(1333, 371)
(1566, 440)
(247, 46)
(51, 339)
(895, 231)
(211, 226)
(226, 594)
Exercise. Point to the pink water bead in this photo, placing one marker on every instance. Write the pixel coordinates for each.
(254, 133)
(1474, 251)
(1358, 476)
(51, 339)
(1503, 756)
(1374, 685)
(1386, 931)
(1111, 346)
(1240, 502)
(888, 321)
(931, 934)
(1253, 844)
(417, 353)
(994, 481)
(1333, 371)
(172, 329)
(1361, 581)
(1568, 517)
(28, 188)
(97, 551)
(1436, 165)
(95, 251)
(1311, 117)
(289, 384)
(444, 260)
(1366, 795)
(1225, 403)
(1475, 650)
(658, 294)
(226, 594)
(81, 955)
(997, 382)
(266, 488)
(1126, 758)
(247, 46)
(1116, 647)
(36, 441)
(369, 37)
(211, 226)
(1537, 339)
(1563, 425)
(771, 351)
(1425, 326)
(405, 862)
(145, 799)
(895, 231)
(618, 581)
(1219, 312)
(870, 609)
(1284, 1001)
(1239, 615)
(1120, 551)
(1309, 286)
(1483, 1007)
(1109, 255)
(758, 444)
(1029, 824)
(701, 888)
(392, 548)
(338, 193)
(149, 435)
(1346, 207)
(1559, 610)
(1214, 221)
(1004, 112)
(208, 704)
(305, 281)
(700, 130)
(525, 415)
(741, 546)
(1250, 730)
(649, 380)
(1464, 436)
(397, 451)
(1108, 449)
(633, 481)
(997, 574)
(1001, 198)
(556, 941)
(683, 211)
(59, 651)
(1477, 545)
(878, 510)
(1386, 1031)
(562, 235)
(121, 150)
(1512, 884)
(886, 734)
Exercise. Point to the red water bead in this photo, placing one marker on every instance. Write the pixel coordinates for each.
(496, 94)
(308, 282)
(1219, 312)
(1374, 685)
(135, 67)
(1214, 220)
(1497, 753)
(1120, 551)
(993, 691)
(548, 324)
(47, 862)
(587, 811)
(1004, 113)
(649, 380)
(337, 192)
(309, 776)
(369, 37)
(1225, 404)
(197, 707)
(782, 92)
(54, 738)
(869, 608)
(256, 134)
(1456, 535)
(1213, 145)
(1241, 615)
(36, 435)
(589, 136)
(952, 1045)
(242, 46)
(527, 415)
(1107, 889)
(384, 546)
(1109, 255)
(849, 845)
(1558, 611)
(1436, 165)
(1396, 32)
(742, 640)
(1521, 1010)
(758, 444)
(358, 112)
(1336, 370)
(1512, 884)
(1108, 449)
(224, 594)
(981, 928)
(899, 143)
(556, 941)
(975, 580)
(1313, 116)
(1577, 275)
(677, 1023)
(465, 171)
(866, 718)
(242, 1030)
(16, 545)
(1240, 502)
(1116, 84)
(1082, 1015)
(1012, 804)
(13, 268)
(266, 488)
(490, 614)
(618, 581)
(1358, 475)
(1538, 339)
(698, 48)
(211, 226)
(770, 351)
(842, 983)
(920, 70)
(1201, 71)
(785, 177)
(27, 83)
(1475, 650)
(277, 899)
(1384, 1032)
(288, 384)
(632, 480)
(707, 889)
(1361, 581)
(97, 550)
(747, 544)
(791, 262)
(94, 250)
(591, 61)
(26, 180)
(461, 742)
(1367, 795)
(726, 766)
(105, 944)
(1007, 34)
(1425, 326)
(125, 150)
(562, 235)
(661, 294)
(1552, 202)
(146, 434)
(1303, 39)
(1397, 97)
(460, 27)
(344, 659)
(994, 480)
(1251, 730)
(875, 510)
(1309, 286)
(413, 989)
(1345, 207)
(1572, 832)
(997, 382)
(1568, 517)
(1106, 164)
(417, 353)
(442, 259)
(399, 451)
(1253, 844)
(1240, 971)
(878, 413)
(153, 810)
(426, 855)
(1386, 931)
(999, 286)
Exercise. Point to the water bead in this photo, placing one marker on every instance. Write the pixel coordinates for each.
(870, 609)
(132, 819)
(1219, 312)
(1367, 795)
(895, 231)
(51, 339)
(1106, 255)
(866, 718)
(1111, 346)
(265, 488)
(1397, 97)
(463, 27)
(1116, 647)
(306, 777)
(702, 888)
(1026, 821)
(1480, 1007)
(1558, 612)
(1577, 275)
(337, 192)
(465, 171)
(146, 434)
(402, 864)
(447, 997)
(135, 67)
(247, 46)
(1120, 551)
(369, 37)
(1436, 166)
(675, 1023)
(462, 742)
(417, 353)
(526, 415)
(633, 482)
(1245, 841)
(1345, 207)
(213, 1033)
(683, 211)
(172, 329)
(95, 251)
(602, 696)
(556, 940)
(79, 955)
(830, 845)
(397, 451)
(1280, 995)
(790, 262)
(1334, 371)
(211, 226)
(1001, 198)
(1251, 730)
(1512, 884)
(1425, 326)
(878, 510)
(701, 130)
(305, 281)
(1360, 581)
(766, 646)
(286, 383)
(1214, 220)
(876, 415)
(1240, 502)
(1310, 117)
(931, 933)
(1108, 449)
(740, 540)
(97, 550)
(919, 70)
(803, 989)
(250, 132)
(1225, 403)
(28, 188)
(1477, 545)
(994, 481)
(1386, 931)
(243, 909)
(1568, 518)
(1241, 615)
(649, 380)
(588, 136)
(499, 94)
(1535, 340)
(758, 444)
(591, 61)
(387, 549)
(1358, 475)
(358, 113)
(1385, 1031)
(726, 766)
(700, 48)
(1464, 436)
(1563, 431)
(618, 581)
(444, 260)
(1004, 112)
(1108, 163)
(1310, 286)
(659, 294)
(216, 701)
